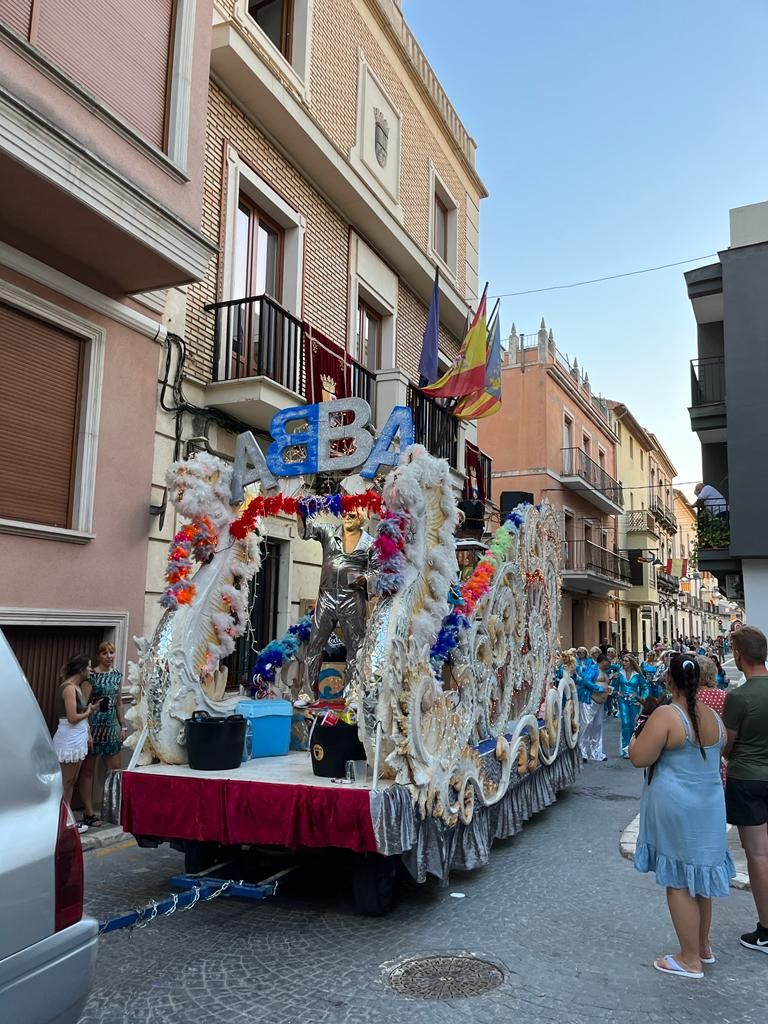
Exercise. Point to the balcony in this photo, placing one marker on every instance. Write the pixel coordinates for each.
(713, 541)
(258, 360)
(434, 426)
(707, 410)
(663, 514)
(641, 522)
(592, 569)
(583, 474)
(666, 583)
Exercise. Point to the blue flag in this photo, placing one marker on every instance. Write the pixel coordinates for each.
(428, 362)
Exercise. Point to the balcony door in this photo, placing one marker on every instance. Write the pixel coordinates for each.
(259, 245)
(568, 466)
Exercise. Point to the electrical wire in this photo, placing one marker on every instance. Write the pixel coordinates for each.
(598, 280)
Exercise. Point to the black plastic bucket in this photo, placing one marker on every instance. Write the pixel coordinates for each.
(215, 744)
(331, 746)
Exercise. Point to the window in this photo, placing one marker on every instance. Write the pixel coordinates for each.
(440, 233)
(258, 253)
(601, 458)
(642, 459)
(586, 444)
(631, 500)
(444, 223)
(120, 53)
(368, 336)
(618, 431)
(275, 19)
(52, 361)
(631, 447)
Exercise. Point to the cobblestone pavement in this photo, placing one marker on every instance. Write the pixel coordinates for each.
(575, 927)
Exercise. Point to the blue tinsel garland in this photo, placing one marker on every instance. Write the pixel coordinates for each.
(278, 652)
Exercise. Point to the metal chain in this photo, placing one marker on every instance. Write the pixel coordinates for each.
(140, 918)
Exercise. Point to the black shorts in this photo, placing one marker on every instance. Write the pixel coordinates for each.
(746, 802)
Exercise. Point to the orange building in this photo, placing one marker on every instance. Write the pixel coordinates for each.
(555, 439)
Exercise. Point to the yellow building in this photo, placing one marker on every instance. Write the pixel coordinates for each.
(638, 533)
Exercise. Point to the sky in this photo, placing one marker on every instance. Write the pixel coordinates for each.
(612, 135)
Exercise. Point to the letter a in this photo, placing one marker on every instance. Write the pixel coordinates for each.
(250, 466)
(400, 419)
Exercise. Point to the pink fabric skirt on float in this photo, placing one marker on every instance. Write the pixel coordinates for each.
(71, 741)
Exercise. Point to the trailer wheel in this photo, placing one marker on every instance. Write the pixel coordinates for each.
(374, 884)
(199, 856)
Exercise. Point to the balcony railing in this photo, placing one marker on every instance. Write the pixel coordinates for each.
(584, 556)
(663, 513)
(576, 462)
(707, 381)
(640, 522)
(713, 527)
(434, 426)
(362, 384)
(256, 337)
(665, 581)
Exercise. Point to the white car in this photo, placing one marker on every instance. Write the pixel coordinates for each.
(47, 947)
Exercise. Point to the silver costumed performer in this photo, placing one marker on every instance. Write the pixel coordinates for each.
(343, 595)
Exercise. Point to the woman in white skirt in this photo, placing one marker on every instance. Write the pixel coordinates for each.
(71, 738)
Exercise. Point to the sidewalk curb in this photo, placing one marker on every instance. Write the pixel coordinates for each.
(103, 837)
(628, 844)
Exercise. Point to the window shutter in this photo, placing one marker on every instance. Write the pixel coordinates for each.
(118, 51)
(40, 367)
(17, 14)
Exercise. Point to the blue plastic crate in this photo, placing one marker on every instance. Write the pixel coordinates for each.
(269, 726)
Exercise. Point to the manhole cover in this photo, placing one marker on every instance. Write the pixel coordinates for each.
(444, 977)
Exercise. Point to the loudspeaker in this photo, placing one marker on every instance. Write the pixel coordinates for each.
(511, 499)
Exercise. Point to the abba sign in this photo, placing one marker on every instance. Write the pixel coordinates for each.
(321, 428)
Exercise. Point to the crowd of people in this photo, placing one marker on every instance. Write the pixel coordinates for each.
(624, 686)
(703, 747)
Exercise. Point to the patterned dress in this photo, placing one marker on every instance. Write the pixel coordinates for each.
(105, 727)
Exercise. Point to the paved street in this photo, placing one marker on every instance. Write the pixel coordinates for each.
(575, 928)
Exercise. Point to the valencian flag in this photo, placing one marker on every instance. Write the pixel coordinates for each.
(677, 567)
(429, 344)
(467, 375)
(488, 401)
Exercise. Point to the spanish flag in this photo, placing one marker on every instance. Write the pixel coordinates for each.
(467, 375)
(488, 401)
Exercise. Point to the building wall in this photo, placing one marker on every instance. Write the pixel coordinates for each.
(746, 370)
(106, 573)
(28, 74)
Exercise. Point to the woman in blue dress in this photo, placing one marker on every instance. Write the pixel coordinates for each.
(682, 815)
(628, 687)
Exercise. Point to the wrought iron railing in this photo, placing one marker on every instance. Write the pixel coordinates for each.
(584, 556)
(713, 526)
(665, 581)
(576, 462)
(434, 426)
(362, 384)
(707, 381)
(256, 337)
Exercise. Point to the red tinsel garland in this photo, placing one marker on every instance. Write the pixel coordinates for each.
(273, 505)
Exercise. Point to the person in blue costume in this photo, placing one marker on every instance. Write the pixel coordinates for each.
(682, 836)
(612, 704)
(588, 683)
(720, 674)
(629, 686)
(654, 671)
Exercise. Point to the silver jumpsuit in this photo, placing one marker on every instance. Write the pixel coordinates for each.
(339, 599)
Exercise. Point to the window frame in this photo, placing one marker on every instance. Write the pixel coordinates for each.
(287, 17)
(439, 192)
(366, 312)
(89, 413)
(257, 217)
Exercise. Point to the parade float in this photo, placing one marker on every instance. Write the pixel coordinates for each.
(452, 687)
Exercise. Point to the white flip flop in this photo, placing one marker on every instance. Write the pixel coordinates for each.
(709, 959)
(675, 968)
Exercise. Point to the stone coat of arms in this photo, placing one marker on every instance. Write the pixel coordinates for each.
(381, 137)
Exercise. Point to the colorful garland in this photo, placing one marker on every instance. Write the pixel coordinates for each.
(276, 654)
(471, 591)
(331, 504)
(390, 547)
(196, 541)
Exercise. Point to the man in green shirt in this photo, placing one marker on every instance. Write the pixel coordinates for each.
(745, 716)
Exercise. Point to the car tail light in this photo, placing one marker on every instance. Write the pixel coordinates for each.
(68, 869)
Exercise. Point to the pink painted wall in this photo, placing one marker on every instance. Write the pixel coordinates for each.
(20, 76)
(107, 573)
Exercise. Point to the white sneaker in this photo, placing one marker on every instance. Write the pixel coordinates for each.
(82, 827)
